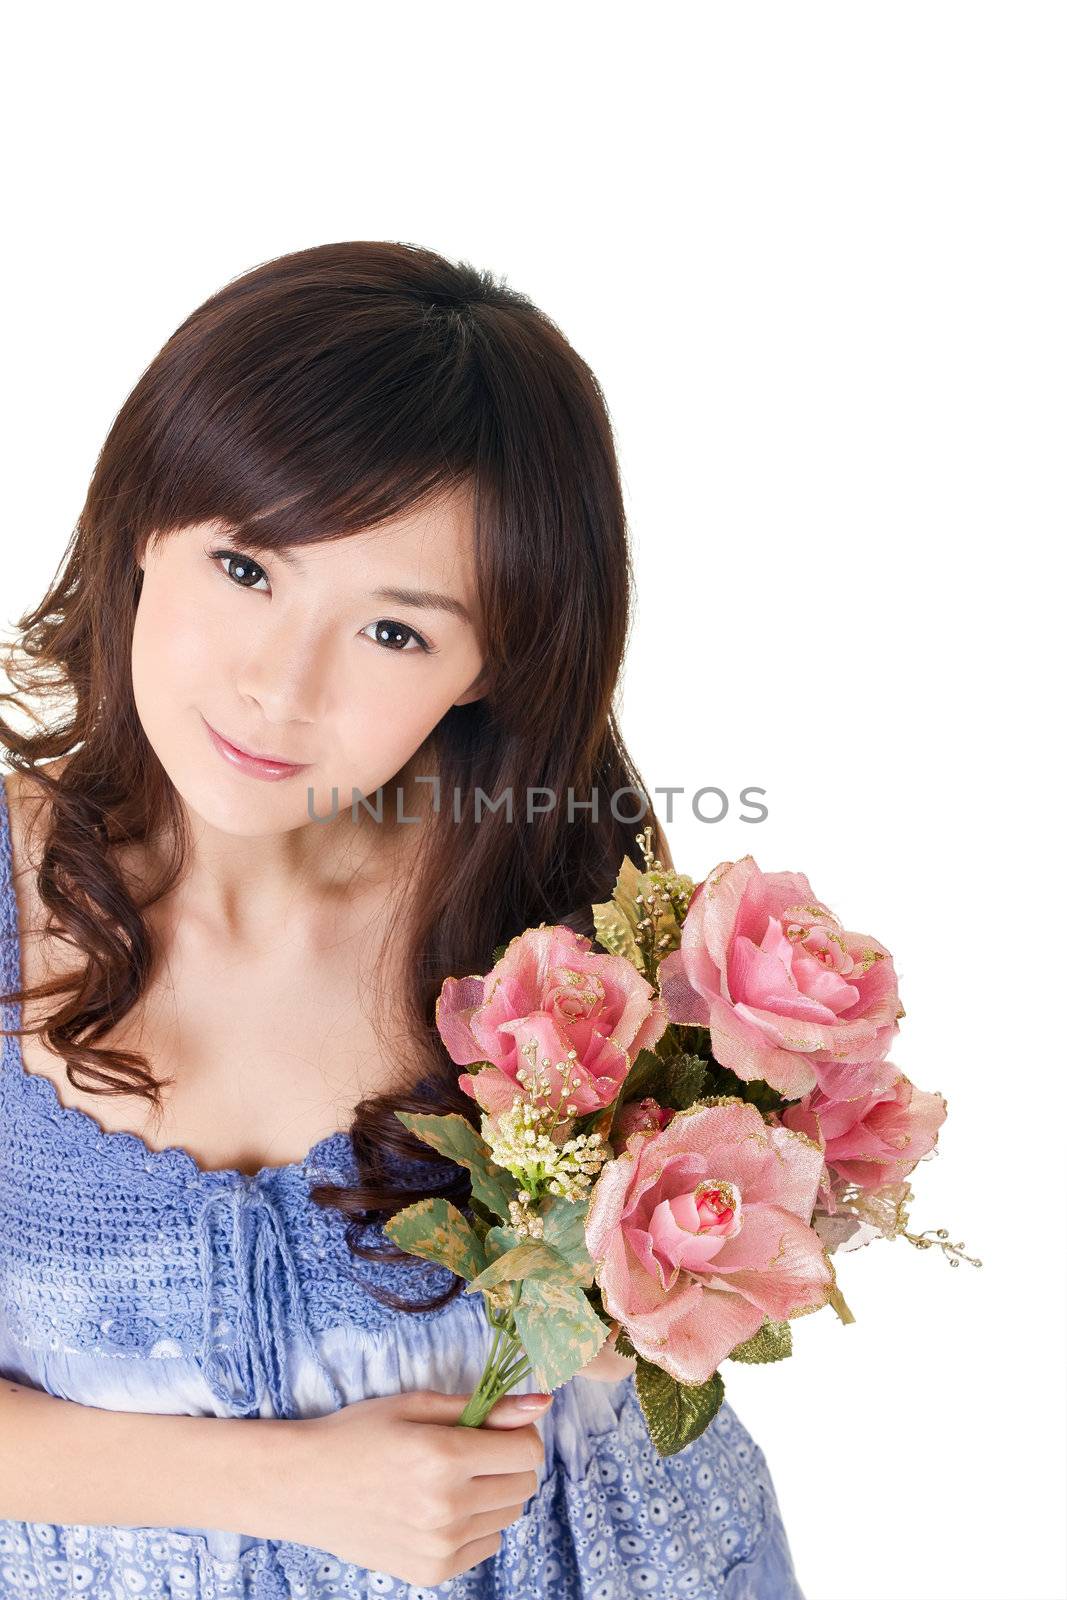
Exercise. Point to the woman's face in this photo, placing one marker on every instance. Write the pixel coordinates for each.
(342, 656)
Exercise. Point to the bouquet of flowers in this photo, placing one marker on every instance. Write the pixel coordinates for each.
(678, 1132)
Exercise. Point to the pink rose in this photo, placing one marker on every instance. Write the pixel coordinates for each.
(639, 1116)
(873, 1140)
(784, 990)
(701, 1230)
(551, 987)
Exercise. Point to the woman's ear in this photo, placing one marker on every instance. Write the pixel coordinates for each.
(474, 692)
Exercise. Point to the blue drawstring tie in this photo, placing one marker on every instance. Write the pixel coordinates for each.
(242, 1366)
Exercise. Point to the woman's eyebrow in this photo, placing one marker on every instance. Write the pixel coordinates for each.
(426, 599)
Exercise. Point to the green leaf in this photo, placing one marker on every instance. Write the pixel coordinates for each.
(684, 1082)
(559, 1330)
(435, 1230)
(564, 1230)
(480, 1220)
(622, 1343)
(500, 952)
(697, 1038)
(454, 1137)
(645, 1073)
(617, 920)
(615, 934)
(676, 1413)
(496, 1242)
(773, 1341)
(676, 1081)
(721, 1081)
(530, 1258)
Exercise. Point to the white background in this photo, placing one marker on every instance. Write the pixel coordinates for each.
(815, 255)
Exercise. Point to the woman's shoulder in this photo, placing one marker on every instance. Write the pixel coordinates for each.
(27, 805)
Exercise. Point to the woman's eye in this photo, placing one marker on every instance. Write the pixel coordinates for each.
(244, 571)
(395, 636)
(247, 574)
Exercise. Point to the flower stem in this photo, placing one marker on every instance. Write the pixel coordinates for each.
(840, 1305)
(507, 1365)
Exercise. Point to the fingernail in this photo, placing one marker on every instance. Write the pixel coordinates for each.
(532, 1402)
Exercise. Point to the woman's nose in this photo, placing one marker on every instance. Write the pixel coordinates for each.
(288, 672)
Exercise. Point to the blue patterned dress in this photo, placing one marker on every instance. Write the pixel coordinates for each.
(134, 1280)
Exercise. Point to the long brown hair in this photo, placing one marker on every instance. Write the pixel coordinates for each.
(314, 396)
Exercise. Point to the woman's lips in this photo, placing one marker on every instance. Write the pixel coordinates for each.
(254, 766)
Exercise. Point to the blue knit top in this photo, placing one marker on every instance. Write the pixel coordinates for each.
(133, 1279)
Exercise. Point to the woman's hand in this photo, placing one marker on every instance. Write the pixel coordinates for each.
(392, 1483)
(607, 1366)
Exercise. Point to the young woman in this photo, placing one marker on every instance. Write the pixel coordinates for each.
(242, 844)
